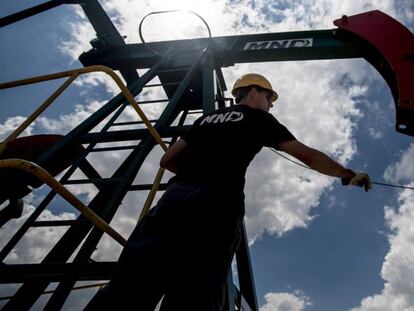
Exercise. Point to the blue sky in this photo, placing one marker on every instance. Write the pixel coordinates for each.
(314, 245)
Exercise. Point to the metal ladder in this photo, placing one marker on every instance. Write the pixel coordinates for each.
(188, 81)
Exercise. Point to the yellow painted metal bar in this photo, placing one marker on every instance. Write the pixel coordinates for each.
(90, 69)
(38, 111)
(151, 195)
(73, 74)
(134, 105)
(48, 179)
(48, 77)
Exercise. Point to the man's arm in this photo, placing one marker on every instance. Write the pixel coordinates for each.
(315, 159)
(169, 159)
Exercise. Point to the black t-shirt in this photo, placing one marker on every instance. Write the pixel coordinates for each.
(222, 144)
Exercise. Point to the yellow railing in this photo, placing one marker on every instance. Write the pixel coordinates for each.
(44, 175)
(73, 74)
(48, 179)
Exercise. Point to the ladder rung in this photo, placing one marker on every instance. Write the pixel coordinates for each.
(91, 181)
(195, 112)
(173, 69)
(152, 101)
(53, 223)
(131, 123)
(146, 187)
(113, 148)
(162, 84)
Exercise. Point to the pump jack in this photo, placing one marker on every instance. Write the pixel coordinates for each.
(191, 77)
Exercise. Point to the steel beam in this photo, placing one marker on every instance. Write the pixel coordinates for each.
(283, 46)
(18, 16)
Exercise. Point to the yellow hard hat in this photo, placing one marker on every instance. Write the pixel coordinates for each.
(254, 79)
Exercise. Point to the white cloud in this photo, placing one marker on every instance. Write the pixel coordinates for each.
(398, 291)
(13, 123)
(312, 104)
(403, 170)
(81, 34)
(96, 78)
(34, 245)
(285, 302)
(398, 266)
(67, 122)
(375, 134)
(313, 99)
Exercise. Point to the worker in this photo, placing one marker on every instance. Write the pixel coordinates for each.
(183, 249)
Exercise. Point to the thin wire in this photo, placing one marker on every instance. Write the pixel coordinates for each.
(389, 185)
(297, 163)
(373, 182)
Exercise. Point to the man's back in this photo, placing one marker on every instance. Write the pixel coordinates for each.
(222, 144)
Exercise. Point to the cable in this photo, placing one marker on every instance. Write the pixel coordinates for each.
(373, 182)
(390, 185)
(162, 12)
(293, 161)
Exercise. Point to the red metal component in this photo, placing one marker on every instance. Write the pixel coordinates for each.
(395, 43)
(30, 148)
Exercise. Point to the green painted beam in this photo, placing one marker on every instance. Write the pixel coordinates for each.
(267, 47)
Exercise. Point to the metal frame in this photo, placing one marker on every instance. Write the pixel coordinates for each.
(109, 197)
(48, 179)
(189, 72)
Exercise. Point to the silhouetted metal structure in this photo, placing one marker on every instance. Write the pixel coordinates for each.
(190, 74)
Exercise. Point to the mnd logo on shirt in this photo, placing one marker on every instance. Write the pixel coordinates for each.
(232, 116)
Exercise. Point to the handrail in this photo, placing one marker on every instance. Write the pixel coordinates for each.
(36, 113)
(48, 179)
(73, 74)
(151, 194)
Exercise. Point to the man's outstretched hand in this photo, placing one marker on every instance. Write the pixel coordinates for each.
(360, 179)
